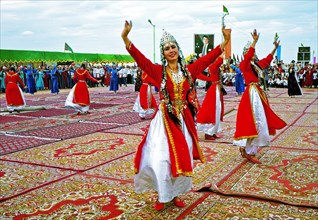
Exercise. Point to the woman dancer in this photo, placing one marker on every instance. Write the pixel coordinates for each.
(211, 112)
(164, 158)
(78, 98)
(14, 95)
(255, 120)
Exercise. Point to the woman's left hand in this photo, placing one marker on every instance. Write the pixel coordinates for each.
(127, 29)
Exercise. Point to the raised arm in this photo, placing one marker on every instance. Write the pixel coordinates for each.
(276, 44)
(226, 37)
(143, 62)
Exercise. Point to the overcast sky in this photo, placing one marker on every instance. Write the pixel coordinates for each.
(95, 26)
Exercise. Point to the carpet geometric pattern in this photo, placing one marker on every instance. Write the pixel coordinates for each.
(55, 164)
(220, 160)
(288, 117)
(16, 178)
(228, 129)
(47, 112)
(313, 108)
(284, 176)
(9, 143)
(122, 169)
(138, 128)
(80, 153)
(215, 206)
(307, 119)
(127, 118)
(68, 130)
(44, 103)
(9, 118)
(36, 123)
(85, 197)
(298, 137)
(287, 107)
(98, 113)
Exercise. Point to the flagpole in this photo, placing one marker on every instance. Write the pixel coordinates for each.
(223, 25)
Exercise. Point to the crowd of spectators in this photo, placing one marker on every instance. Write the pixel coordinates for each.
(42, 75)
(275, 75)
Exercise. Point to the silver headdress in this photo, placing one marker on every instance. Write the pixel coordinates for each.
(246, 47)
(167, 37)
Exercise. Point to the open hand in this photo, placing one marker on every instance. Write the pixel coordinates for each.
(127, 29)
(255, 35)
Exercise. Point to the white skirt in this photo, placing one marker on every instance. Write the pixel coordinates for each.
(251, 145)
(142, 112)
(155, 167)
(69, 102)
(210, 128)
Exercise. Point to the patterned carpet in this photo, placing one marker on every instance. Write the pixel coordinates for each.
(11, 143)
(81, 153)
(283, 176)
(55, 164)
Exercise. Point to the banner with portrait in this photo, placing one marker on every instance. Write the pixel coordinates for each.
(199, 42)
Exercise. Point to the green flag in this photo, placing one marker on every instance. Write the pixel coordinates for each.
(67, 48)
(225, 11)
(276, 37)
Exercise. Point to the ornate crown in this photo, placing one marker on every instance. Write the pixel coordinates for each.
(166, 37)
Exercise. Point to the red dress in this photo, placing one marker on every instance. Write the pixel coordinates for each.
(180, 157)
(146, 102)
(245, 123)
(81, 95)
(107, 77)
(207, 110)
(13, 93)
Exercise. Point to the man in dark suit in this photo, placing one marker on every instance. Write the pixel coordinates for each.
(207, 47)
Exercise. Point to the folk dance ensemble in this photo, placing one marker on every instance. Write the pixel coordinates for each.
(255, 120)
(164, 158)
(14, 95)
(145, 103)
(211, 112)
(78, 98)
